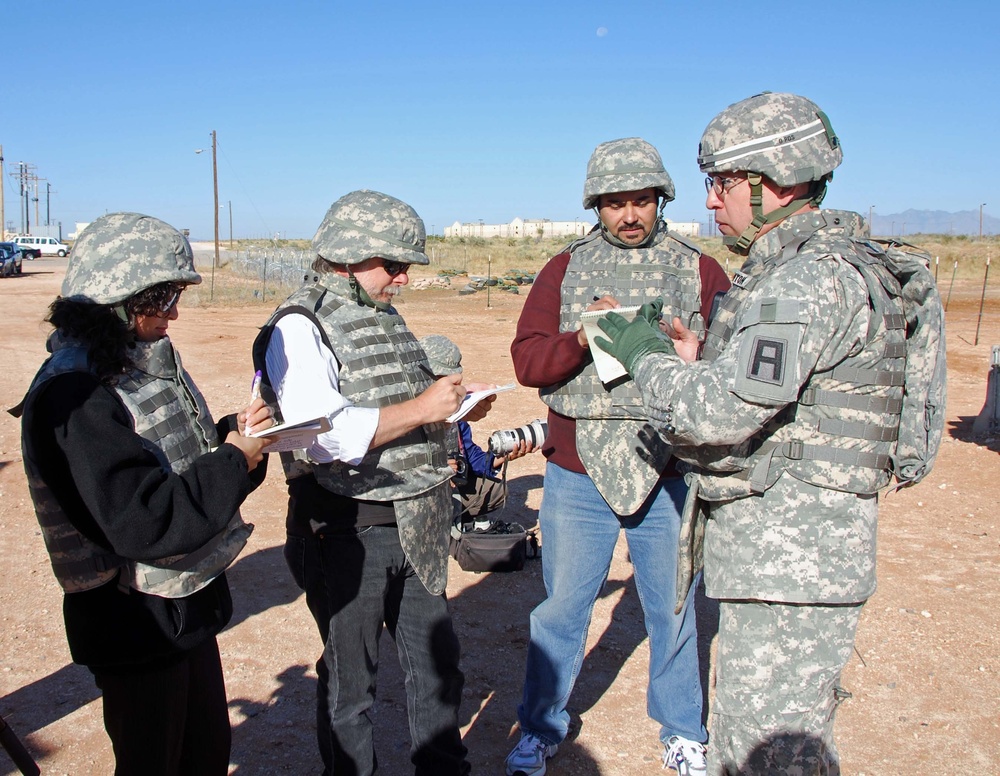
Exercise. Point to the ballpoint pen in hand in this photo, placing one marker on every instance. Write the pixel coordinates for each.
(254, 394)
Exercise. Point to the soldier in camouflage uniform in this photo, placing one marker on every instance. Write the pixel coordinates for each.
(370, 502)
(792, 415)
(137, 499)
(607, 468)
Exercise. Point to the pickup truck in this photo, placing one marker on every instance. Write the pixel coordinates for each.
(10, 259)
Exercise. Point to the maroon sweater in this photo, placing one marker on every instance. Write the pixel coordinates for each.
(543, 356)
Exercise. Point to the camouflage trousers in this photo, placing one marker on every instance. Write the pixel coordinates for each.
(778, 687)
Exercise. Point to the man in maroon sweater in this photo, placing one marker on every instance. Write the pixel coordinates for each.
(608, 469)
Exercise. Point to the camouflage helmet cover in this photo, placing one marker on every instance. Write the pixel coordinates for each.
(628, 164)
(782, 136)
(367, 223)
(120, 254)
(443, 355)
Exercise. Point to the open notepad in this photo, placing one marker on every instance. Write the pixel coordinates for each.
(608, 367)
(472, 399)
(293, 436)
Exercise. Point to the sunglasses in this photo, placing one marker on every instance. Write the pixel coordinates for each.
(171, 300)
(156, 300)
(394, 268)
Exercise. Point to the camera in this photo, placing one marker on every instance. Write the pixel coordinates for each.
(461, 475)
(502, 442)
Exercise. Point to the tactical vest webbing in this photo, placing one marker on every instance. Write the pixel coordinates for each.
(668, 269)
(170, 415)
(842, 430)
(623, 453)
(380, 364)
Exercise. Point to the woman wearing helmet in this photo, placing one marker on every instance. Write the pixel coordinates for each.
(137, 499)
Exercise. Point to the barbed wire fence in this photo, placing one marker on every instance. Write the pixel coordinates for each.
(260, 272)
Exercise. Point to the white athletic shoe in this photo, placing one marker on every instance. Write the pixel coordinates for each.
(684, 756)
(529, 756)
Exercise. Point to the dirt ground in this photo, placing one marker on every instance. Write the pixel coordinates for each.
(924, 679)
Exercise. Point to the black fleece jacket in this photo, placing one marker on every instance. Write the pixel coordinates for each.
(117, 494)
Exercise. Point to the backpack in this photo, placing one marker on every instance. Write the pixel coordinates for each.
(921, 422)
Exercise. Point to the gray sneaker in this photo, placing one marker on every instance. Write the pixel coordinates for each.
(529, 756)
(684, 756)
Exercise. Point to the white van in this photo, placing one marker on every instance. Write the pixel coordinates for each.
(49, 246)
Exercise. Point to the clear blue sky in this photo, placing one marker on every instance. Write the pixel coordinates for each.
(471, 110)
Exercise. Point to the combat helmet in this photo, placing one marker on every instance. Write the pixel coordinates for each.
(443, 355)
(628, 164)
(368, 223)
(784, 137)
(120, 254)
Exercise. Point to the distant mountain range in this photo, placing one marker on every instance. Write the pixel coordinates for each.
(931, 222)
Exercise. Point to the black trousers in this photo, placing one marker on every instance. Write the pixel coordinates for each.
(169, 721)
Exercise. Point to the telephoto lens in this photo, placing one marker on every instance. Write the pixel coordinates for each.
(503, 442)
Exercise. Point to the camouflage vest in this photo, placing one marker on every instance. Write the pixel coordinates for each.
(841, 432)
(380, 364)
(623, 454)
(170, 415)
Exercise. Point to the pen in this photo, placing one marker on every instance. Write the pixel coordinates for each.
(254, 394)
(427, 370)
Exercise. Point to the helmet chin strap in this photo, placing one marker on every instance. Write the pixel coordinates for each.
(741, 245)
(362, 297)
(606, 233)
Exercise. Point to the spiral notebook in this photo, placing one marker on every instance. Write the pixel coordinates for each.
(472, 399)
(608, 367)
(293, 436)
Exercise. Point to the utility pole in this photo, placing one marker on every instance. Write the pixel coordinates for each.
(3, 221)
(981, 220)
(34, 180)
(215, 189)
(23, 176)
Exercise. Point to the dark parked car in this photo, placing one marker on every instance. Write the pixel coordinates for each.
(10, 259)
(28, 252)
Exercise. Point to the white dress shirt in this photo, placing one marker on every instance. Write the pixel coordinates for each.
(304, 376)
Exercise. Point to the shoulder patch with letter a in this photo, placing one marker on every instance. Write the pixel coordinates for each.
(768, 363)
(767, 360)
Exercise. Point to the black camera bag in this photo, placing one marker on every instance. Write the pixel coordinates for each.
(500, 547)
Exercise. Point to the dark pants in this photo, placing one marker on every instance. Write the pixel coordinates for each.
(480, 496)
(355, 581)
(171, 721)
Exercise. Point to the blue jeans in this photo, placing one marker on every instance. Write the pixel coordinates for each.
(579, 532)
(355, 580)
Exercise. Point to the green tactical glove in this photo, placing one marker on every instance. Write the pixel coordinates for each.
(651, 312)
(630, 341)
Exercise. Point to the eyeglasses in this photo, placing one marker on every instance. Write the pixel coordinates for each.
(394, 268)
(721, 185)
(171, 300)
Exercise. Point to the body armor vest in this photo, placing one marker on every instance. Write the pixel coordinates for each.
(171, 416)
(842, 430)
(380, 364)
(623, 453)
